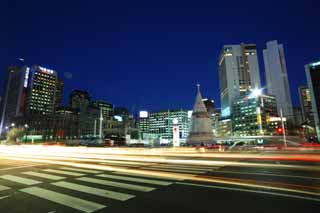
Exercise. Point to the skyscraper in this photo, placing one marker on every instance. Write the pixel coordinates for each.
(238, 73)
(15, 94)
(306, 105)
(313, 78)
(277, 77)
(42, 90)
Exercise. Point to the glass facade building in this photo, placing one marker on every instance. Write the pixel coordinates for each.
(251, 116)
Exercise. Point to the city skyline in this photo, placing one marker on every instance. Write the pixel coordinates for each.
(182, 53)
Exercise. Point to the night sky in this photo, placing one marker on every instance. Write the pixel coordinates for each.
(149, 55)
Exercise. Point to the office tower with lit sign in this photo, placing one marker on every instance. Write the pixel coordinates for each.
(42, 90)
(15, 94)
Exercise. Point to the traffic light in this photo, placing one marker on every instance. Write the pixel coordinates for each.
(279, 130)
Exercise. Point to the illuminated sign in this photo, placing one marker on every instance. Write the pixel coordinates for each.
(46, 70)
(143, 114)
(26, 78)
(315, 64)
(118, 118)
(273, 119)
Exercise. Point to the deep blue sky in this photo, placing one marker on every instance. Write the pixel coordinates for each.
(150, 54)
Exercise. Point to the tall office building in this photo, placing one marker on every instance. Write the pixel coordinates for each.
(306, 105)
(79, 100)
(238, 73)
(252, 115)
(277, 77)
(313, 78)
(15, 94)
(42, 90)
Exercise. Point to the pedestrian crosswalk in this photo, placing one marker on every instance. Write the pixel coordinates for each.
(21, 180)
(66, 185)
(63, 199)
(43, 175)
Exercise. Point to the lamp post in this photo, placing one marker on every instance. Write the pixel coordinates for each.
(26, 134)
(283, 129)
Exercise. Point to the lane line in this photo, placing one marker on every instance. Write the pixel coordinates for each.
(81, 170)
(4, 197)
(149, 176)
(94, 191)
(249, 190)
(117, 184)
(63, 172)
(65, 200)
(266, 174)
(173, 170)
(25, 181)
(43, 175)
(139, 180)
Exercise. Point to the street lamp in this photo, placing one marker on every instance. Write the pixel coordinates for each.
(13, 125)
(256, 92)
(26, 126)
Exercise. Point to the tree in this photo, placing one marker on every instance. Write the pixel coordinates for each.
(14, 134)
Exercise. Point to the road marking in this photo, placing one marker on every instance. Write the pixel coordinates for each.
(66, 200)
(249, 190)
(81, 170)
(3, 188)
(21, 180)
(266, 174)
(139, 180)
(43, 175)
(117, 184)
(94, 191)
(64, 172)
(4, 197)
(173, 170)
(149, 176)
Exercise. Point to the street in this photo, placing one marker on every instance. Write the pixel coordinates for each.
(55, 179)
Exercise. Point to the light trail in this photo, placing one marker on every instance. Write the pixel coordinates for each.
(168, 175)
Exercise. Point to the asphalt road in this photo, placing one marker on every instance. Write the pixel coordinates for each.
(38, 184)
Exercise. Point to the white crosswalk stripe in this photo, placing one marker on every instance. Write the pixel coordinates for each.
(3, 188)
(81, 170)
(138, 180)
(63, 172)
(94, 191)
(65, 200)
(44, 175)
(117, 184)
(21, 180)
